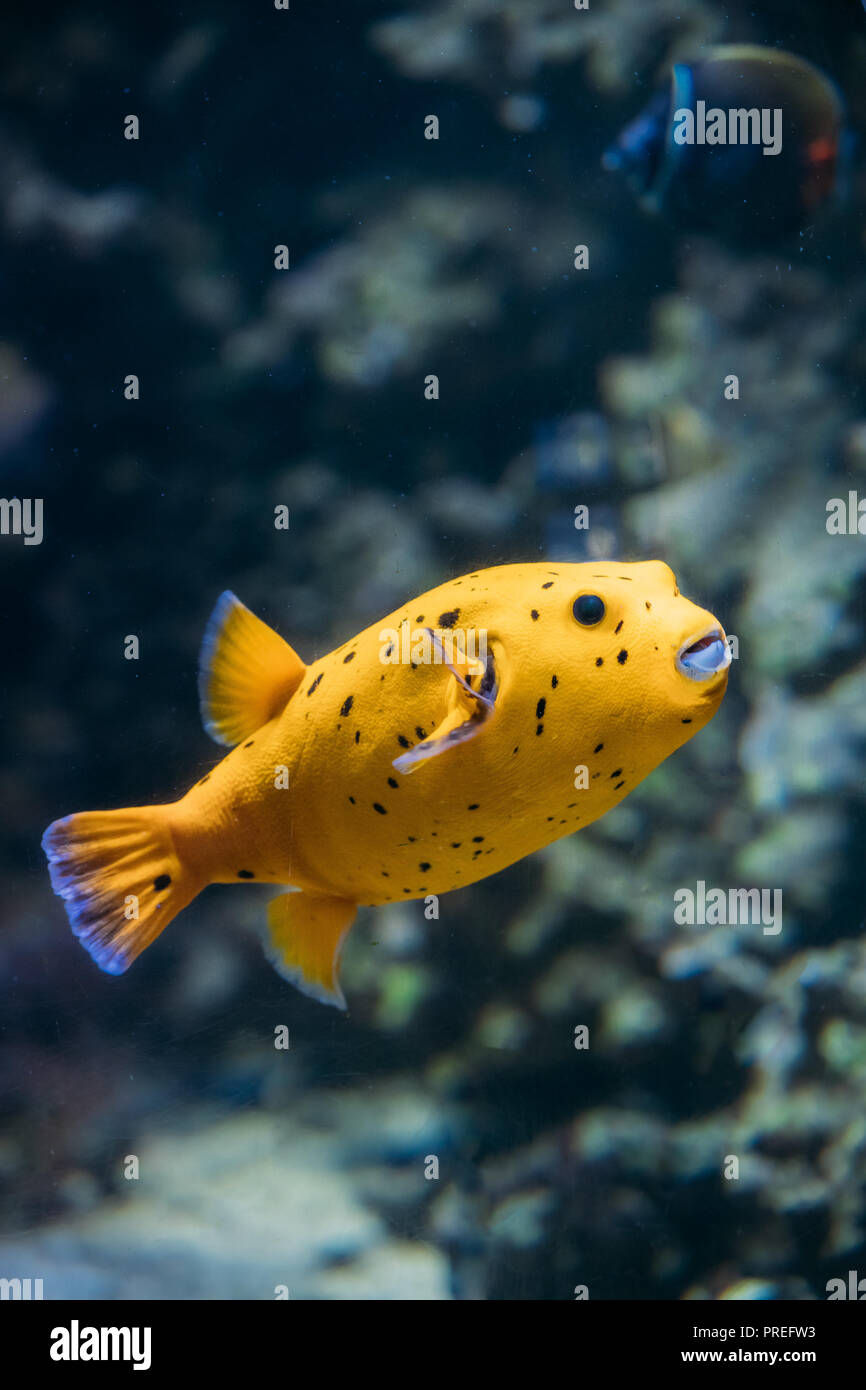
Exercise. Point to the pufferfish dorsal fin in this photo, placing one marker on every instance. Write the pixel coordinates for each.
(468, 709)
(246, 672)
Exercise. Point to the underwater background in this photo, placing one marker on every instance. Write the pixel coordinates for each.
(305, 1168)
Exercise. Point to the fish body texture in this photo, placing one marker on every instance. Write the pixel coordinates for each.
(469, 728)
(607, 698)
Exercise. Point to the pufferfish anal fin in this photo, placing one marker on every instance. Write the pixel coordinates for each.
(468, 708)
(246, 672)
(305, 941)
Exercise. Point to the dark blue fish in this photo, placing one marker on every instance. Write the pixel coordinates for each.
(744, 143)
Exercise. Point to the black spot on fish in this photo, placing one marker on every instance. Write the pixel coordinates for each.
(407, 890)
(357, 735)
(455, 844)
(250, 744)
(385, 874)
(424, 867)
(476, 839)
(315, 682)
(162, 882)
(554, 682)
(617, 773)
(550, 817)
(351, 657)
(449, 619)
(473, 806)
(392, 782)
(347, 705)
(245, 873)
(476, 853)
(548, 585)
(618, 785)
(599, 661)
(618, 626)
(352, 799)
(648, 605)
(420, 618)
(380, 809)
(622, 657)
(411, 839)
(515, 750)
(539, 730)
(403, 742)
(420, 732)
(534, 615)
(625, 577)
(598, 747)
(687, 721)
(540, 708)
(389, 650)
(204, 779)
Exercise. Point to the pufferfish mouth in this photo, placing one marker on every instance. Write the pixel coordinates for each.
(704, 657)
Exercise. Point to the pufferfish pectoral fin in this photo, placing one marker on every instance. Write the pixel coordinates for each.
(468, 708)
(305, 941)
(246, 672)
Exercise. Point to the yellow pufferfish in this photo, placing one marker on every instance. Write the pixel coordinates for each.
(477, 723)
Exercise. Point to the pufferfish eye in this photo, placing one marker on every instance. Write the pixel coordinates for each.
(588, 609)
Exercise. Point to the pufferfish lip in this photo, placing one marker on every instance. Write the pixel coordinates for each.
(703, 657)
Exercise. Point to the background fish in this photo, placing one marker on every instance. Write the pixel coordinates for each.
(735, 190)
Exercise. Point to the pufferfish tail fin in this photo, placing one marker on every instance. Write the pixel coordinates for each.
(305, 941)
(246, 672)
(121, 879)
